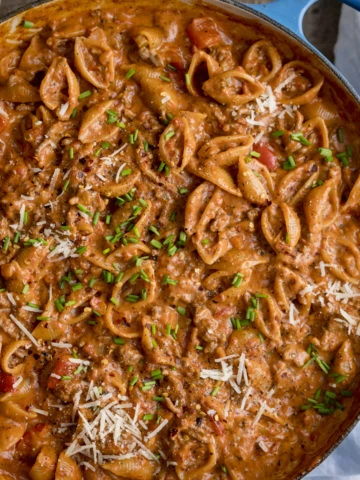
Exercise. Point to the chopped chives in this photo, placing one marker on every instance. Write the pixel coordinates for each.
(148, 417)
(133, 381)
(215, 391)
(206, 241)
(136, 134)
(27, 24)
(169, 135)
(153, 331)
(199, 348)
(172, 250)
(114, 301)
(168, 281)
(25, 288)
(92, 282)
(74, 113)
(71, 153)
(181, 310)
(171, 67)
(154, 230)
(277, 133)
(156, 244)
(161, 166)
(16, 237)
(108, 219)
(83, 209)
(96, 218)
(299, 137)
(70, 303)
(340, 135)
(132, 298)
(183, 191)
(164, 78)
(146, 146)
(118, 341)
(130, 73)
(76, 287)
(158, 399)
(144, 276)
(81, 250)
(343, 159)
(126, 172)
(42, 318)
(237, 280)
(187, 79)
(255, 154)
(349, 151)
(112, 117)
(85, 94)
(6, 243)
(289, 164)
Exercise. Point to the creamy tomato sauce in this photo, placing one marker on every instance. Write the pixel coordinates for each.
(180, 266)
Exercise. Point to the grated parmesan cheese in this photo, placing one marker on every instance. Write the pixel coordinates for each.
(157, 430)
(24, 330)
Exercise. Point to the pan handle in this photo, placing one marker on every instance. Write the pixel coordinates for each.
(290, 13)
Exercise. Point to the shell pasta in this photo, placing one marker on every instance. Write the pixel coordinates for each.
(179, 247)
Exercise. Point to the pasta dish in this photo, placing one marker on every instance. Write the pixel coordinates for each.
(179, 248)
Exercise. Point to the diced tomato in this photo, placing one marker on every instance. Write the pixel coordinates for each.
(204, 33)
(267, 156)
(6, 382)
(62, 367)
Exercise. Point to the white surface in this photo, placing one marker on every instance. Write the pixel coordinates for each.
(344, 462)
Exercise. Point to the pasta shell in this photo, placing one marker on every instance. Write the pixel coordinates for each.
(321, 205)
(95, 59)
(10, 433)
(287, 285)
(268, 318)
(59, 79)
(297, 83)
(226, 150)
(67, 468)
(210, 171)
(345, 363)
(296, 184)
(159, 95)
(8, 64)
(94, 126)
(343, 256)
(234, 87)
(211, 245)
(201, 471)
(194, 206)
(252, 184)
(37, 56)
(137, 468)
(45, 464)
(353, 201)
(281, 226)
(19, 90)
(262, 61)
(200, 61)
(177, 144)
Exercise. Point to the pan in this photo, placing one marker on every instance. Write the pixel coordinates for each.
(285, 17)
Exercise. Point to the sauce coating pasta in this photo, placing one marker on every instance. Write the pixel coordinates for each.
(179, 261)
